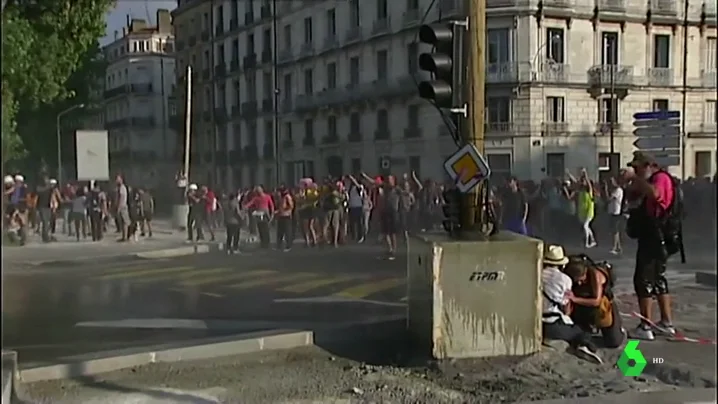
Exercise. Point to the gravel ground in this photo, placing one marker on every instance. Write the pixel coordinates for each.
(313, 375)
(385, 372)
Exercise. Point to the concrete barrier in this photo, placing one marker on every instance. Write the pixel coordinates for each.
(9, 374)
(474, 298)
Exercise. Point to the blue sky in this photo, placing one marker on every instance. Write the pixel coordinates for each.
(116, 18)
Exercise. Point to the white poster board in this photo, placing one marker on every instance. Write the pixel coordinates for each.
(93, 161)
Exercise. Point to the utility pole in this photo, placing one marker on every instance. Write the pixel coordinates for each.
(188, 122)
(473, 132)
(684, 92)
(613, 105)
(275, 116)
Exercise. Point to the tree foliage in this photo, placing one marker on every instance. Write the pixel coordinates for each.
(44, 43)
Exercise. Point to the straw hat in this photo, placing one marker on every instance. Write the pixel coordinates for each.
(554, 255)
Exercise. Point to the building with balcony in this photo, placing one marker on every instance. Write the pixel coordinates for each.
(134, 107)
(560, 75)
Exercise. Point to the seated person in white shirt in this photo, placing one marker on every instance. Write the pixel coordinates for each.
(557, 325)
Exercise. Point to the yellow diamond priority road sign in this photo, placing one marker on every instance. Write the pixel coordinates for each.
(467, 168)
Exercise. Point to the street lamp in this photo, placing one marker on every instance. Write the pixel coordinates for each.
(59, 144)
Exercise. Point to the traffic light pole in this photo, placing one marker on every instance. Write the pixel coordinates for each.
(473, 128)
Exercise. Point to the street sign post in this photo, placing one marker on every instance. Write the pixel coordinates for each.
(659, 133)
(467, 167)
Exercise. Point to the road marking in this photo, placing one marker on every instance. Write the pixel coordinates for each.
(269, 281)
(337, 299)
(210, 294)
(123, 266)
(224, 278)
(138, 274)
(366, 289)
(315, 284)
(197, 272)
(404, 299)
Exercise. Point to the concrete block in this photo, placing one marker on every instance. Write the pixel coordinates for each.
(707, 279)
(86, 367)
(9, 374)
(475, 298)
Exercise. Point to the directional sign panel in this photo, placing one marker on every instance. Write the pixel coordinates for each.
(657, 123)
(656, 115)
(652, 131)
(92, 155)
(658, 143)
(467, 168)
(659, 133)
(666, 160)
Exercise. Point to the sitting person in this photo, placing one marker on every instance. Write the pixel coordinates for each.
(557, 325)
(593, 305)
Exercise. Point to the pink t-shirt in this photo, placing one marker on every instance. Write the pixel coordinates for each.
(664, 187)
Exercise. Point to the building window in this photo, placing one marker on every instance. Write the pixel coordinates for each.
(267, 40)
(660, 105)
(331, 23)
(382, 120)
(288, 132)
(711, 117)
(555, 45)
(500, 164)
(356, 166)
(499, 45)
(308, 37)
(609, 51)
(661, 51)
(250, 44)
(555, 109)
(415, 165)
(354, 13)
(287, 86)
(382, 10)
(412, 113)
(555, 165)
(287, 37)
(236, 92)
(382, 62)
(235, 50)
(332, 76)
(412, 54)
(309, 131)
(332, 126)
(412, 5)
(267, 84)
(499, 110)
(608, 110)
(703, 162)
(355, 123)
(354, 71)
(308, 81)
(711, 56)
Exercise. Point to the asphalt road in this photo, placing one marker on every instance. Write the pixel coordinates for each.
(54, 311)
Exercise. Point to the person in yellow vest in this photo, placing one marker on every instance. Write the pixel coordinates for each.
(586, 209)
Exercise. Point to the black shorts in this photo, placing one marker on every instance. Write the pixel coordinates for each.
(390, 223)
(618, 223)
(307, 214)
(649, 278)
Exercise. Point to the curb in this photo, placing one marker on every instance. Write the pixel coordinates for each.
(144, 255)
(101, 362)
(252, 342)
(707, 279)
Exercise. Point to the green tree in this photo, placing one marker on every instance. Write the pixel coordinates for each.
(44, 43)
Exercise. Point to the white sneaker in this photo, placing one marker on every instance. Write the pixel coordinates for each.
(665, 329)
(591, 245)
(614, 252)
(642, 333)
(584, 353)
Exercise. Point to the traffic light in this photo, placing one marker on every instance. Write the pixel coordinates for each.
(444, 63)
(452, 210)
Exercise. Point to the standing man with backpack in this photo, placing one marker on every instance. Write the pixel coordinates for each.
(655, 223)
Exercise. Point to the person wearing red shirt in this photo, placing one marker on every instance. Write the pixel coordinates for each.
(262, 206)
(652, 191)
